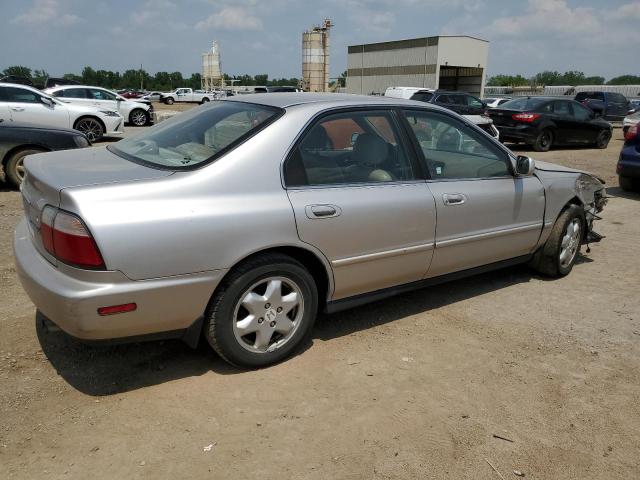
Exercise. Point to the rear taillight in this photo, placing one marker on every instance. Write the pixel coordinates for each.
(526, 117)
(632, 132)
(66, 238)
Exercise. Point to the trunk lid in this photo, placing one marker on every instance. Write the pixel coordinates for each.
(502, 117)
(49, 173)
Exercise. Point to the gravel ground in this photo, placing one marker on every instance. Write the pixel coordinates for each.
(418, 386)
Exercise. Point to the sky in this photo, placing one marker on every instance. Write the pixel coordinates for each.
(598, 37)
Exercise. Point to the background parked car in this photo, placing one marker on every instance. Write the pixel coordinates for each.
(137, 113)
(55, 82)
(496, 102)
(612, 106)
(473, 109)
(628, 167)
(630, 120)
(17, 80)
(131, 94)
(21, 103)
(152, 96)
(17, 140)
(545, 121)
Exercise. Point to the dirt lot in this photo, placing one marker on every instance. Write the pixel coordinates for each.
(413, 387)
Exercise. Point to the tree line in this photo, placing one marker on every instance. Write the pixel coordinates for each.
(136, 79)
(550, 78)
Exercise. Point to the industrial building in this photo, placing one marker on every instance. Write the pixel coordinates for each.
(315, 58)
(445, 62)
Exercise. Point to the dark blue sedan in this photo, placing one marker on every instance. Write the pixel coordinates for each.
(628, 168)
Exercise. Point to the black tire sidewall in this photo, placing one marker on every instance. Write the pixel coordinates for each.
(102, 128)
(225, 342)
(537, 145)
(568, 216)
(169, 101)
(599, 142)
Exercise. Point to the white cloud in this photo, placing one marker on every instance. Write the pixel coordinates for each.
(628, 11)
(548, 16)
(46, 11)
(231, 18)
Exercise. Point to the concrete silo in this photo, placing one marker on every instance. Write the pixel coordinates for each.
(211, 73)
(315, 58)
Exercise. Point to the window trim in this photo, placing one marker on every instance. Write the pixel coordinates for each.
(465, 123)
(278, 113)
(393, 111)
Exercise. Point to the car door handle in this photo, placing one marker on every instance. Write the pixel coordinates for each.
(322, 211)
(454, 198)
(17, 109)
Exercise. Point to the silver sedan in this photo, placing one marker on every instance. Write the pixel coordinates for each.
(239, 221)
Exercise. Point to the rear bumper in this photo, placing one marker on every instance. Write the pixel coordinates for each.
(71, 302)
(519, 133)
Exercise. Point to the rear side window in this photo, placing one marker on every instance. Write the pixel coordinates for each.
(101, 94)
(198, 136)
(617, 98)
(20, 95)
(589, 96)
(348, 148)
(453, 150)
(473, 101)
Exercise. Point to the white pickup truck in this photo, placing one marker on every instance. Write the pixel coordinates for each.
(186, 95)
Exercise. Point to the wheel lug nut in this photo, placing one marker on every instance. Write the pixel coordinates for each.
(268, 305)
(279, 309)
(260, 320)
(273, 324)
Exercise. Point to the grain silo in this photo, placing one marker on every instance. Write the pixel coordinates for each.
(315, 58)
(211, 73)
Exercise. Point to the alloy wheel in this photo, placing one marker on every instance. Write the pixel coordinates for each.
(570, 242)
(268, 314)
(91, 128)
(138, 118)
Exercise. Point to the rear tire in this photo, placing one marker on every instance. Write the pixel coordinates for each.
(603, 138)
(544, 141)
(205, 100)
(14, 168)
(627, 184)
(169, 101)
(558, 255)
(262, 311)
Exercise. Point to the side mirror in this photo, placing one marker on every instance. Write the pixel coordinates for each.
(47, 101)
(525, 166)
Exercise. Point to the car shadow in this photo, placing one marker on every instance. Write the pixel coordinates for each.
(620, 193)
(7, 187)
(107, 370)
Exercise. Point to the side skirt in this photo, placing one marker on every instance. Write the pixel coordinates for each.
(364, 298)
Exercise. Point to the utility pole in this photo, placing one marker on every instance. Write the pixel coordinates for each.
(141, 79)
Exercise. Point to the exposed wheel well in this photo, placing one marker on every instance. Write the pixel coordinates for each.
(305, 257)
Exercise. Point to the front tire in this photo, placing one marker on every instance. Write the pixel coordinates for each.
(91, 127)
(558, 255)
(139, 117)
(14, 168)
(543, 141)
(262, 312)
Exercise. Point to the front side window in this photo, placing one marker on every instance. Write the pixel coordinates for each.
(473, 101)
(198, 136)
(20, 95)
(453, 150)
(581, 113)
(350, 147)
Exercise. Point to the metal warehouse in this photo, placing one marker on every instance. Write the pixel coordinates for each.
(445, 62)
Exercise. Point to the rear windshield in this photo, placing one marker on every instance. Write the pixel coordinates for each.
(196, 137)
(524, 103)
(422, 96)
(589, 95)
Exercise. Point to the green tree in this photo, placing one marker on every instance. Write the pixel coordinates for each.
(195, 81)
(89, 76)
(176, 80)
(508, 81)
(262, 79)
(72, 76)
(39, 78)
(17, 70)
(625, 80)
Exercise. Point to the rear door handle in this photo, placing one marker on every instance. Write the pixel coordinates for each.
(454, 198)
(17, 109)
(322, 211)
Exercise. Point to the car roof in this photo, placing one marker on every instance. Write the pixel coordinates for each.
(64, 87)
(290, 99)
(19, 85)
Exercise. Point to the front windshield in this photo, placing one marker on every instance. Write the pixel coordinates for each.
(198, 136)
